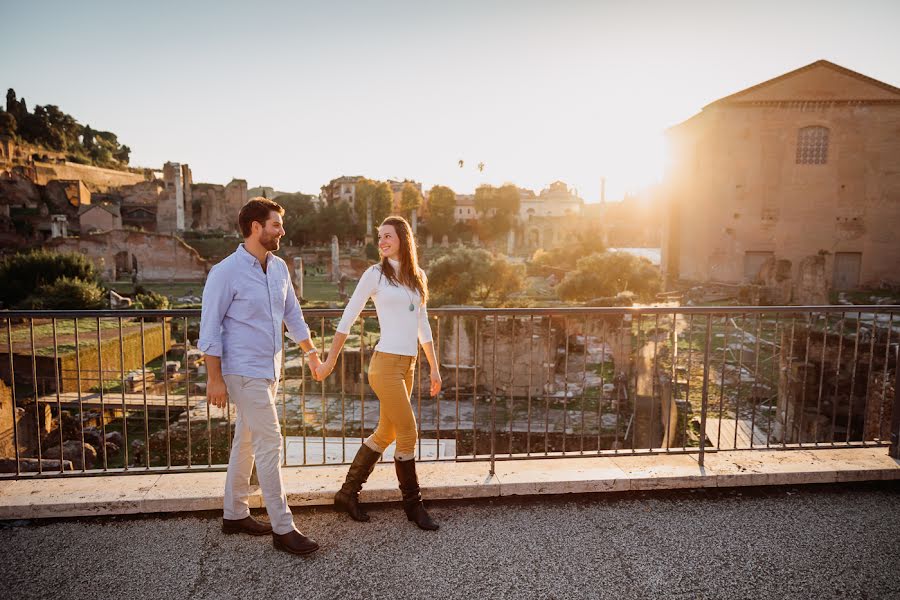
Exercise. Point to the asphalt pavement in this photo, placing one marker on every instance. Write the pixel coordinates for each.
(817, 542)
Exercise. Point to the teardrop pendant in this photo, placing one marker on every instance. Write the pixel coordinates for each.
(411, 307)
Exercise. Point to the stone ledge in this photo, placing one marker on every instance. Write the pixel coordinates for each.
(311, 486)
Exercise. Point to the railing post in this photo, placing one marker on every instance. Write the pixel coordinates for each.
(894, 450)
(705, 388)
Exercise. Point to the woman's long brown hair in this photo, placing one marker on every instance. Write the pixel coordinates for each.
(409, 275)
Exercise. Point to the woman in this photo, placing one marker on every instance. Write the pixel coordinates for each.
(400, 290)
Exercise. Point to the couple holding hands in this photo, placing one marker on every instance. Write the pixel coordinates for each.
(247, 298)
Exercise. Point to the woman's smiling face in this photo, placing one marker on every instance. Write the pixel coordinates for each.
(388, 242)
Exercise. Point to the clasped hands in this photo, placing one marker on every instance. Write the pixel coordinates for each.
(320, 370)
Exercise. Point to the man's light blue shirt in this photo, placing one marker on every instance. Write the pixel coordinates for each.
(242, 313)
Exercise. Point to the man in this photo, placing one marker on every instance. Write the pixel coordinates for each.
(246, 299)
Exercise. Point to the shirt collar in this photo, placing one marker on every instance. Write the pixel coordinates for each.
(249, 258)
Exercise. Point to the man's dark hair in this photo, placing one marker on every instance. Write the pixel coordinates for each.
(257, 209)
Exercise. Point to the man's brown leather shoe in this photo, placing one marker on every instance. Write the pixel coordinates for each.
(247, 525)
(294, 542)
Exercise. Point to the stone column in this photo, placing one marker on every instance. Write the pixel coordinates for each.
(298, 275)
(510, 242)
(414, 221)
(369, 238)
(335, 260)
(429, 241)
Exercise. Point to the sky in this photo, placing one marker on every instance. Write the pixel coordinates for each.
(293, 94)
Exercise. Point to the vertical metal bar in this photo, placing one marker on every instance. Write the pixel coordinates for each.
(417, 383)
(12, 386)
(601, 397)
(530, 374)
(62, 454)
(755, 393)
(722, 381)
(705, 392)
(124, 401)
(837, 376)
(303, 395)
(324, 400)
(187, 397)
(654, 374)
(344, 396)
(362, 379)
(687, 388)
(809, 327)
(209, 434)
(774, 373)
(565, 382)
(494, 397)
(78, 393)
(102, 399)
(510, 398)
(584, 380)
(790, 377)
(894, 450)
(667, 428)
(165, 373)
(869, 375)
(456, 434)
(475, 390)
(853, 362)
(637, 357)
(884, 379)
(821, 379)
(144, 392)
(551, 371)
(37, 403)
(437, 399)
(737, 395)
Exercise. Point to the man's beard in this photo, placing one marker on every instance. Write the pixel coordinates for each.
(270, 243)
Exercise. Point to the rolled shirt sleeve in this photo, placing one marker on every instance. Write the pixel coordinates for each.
(296, 325)
(217, 296)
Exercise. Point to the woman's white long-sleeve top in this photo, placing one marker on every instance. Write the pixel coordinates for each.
(400, 326)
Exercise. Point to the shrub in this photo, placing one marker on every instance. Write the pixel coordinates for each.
(150, 301)
(22, 274)
(66, 293)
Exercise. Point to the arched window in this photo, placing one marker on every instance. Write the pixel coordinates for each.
(812, 145)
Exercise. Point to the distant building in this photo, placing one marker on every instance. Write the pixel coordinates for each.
(465, 208)
(342, 189)
(802, 170)
(99, 217)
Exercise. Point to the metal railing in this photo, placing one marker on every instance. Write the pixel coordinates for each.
(99, 392)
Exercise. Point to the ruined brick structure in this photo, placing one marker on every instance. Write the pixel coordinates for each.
(155, 256)
(803, 165)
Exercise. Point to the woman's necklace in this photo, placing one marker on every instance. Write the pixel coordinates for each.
(411, 305)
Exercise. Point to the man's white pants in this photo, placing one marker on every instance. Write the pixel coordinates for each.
(256, 434)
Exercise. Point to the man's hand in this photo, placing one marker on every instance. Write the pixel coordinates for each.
(216, 392)
(314, 364)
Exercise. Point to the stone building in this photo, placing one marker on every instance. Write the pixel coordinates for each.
(341, 189)
(144, 256)
(170, 213)
(556, 200)
(465, 208)
(99, 217)
(215, 207)
(802, 171)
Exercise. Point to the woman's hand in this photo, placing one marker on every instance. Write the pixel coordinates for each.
(435, 382)
(325, 369)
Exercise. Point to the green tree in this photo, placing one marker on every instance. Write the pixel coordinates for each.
(410, 201)
(300, 217)
(497, 209)
(562, 259)
(376, 194)
(473, 274)
(333, 219)
(608, 274)
(23, 273)
(441, 208)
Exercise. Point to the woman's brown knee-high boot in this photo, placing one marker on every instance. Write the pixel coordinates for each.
(347, 499)
(412, 496)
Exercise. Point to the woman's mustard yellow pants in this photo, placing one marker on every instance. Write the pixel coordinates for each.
(391, 378)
